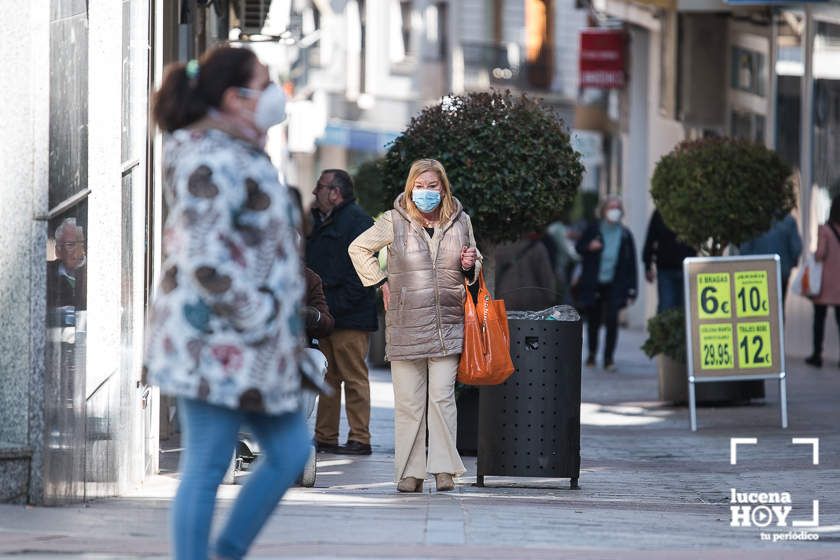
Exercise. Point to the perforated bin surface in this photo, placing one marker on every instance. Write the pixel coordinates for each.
(530, 425)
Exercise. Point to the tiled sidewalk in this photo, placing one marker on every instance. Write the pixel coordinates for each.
(650, 489)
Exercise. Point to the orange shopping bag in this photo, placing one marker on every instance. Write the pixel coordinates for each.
(485, 359)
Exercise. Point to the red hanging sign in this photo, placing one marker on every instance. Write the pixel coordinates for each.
(602, 58)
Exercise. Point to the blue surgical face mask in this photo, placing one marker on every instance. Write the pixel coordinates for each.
(425, 199)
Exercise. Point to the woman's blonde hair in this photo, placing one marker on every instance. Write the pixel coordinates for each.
(447, 203)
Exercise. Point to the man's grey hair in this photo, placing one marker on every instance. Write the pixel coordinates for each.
(69, 224)
(342, 181)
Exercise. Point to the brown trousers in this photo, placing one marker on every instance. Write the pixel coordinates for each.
(345, 351)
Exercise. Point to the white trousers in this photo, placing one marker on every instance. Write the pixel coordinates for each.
(424, 395)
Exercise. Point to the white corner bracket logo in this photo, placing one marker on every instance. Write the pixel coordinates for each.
(765, 509)
(733, 447)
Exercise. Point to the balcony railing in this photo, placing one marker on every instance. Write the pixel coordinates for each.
(502, 66)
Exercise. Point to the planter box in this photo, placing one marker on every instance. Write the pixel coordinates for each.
(673, 386)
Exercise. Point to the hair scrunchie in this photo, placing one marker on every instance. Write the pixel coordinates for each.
(192, 69)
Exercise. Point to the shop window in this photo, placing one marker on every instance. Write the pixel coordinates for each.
(747, 125)
(436, 34)
(64, 383)
(66, 266)
(405, 18)
(826, 110)
(400, 21)
(749, 71)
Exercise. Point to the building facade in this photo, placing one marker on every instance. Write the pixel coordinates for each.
(766, 72)
(363, 68)
(73, 264)
(80, 239)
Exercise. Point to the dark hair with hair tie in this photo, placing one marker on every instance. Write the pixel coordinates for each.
(189, 90)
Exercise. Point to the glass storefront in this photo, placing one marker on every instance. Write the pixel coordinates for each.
(64, 383)
(89, 410)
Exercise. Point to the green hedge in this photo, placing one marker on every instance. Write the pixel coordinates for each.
(719, 191)
(666, 335)
(508, 158)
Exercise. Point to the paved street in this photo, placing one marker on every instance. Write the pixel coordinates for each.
(649, 489)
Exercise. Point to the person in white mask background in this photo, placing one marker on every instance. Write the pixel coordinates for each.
(225, 336)
(608, 280)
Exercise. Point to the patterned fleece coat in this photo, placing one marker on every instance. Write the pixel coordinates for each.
(225, 322)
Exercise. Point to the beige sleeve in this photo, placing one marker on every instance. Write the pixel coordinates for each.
(479, 258)
(363, 249)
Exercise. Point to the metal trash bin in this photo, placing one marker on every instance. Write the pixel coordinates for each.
(529, 426)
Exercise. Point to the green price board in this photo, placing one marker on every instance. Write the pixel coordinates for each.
(751, 294)
(734, 323)
(716, 347)
(755, 345)
(713, 296)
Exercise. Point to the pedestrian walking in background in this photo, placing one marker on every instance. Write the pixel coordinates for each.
(225, 333)
(608, 280)
(431, 251)
(828, 253)
(525, 276)
(663, 256)
(338, 220)
(781, 239)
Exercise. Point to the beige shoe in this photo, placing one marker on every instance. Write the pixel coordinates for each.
(444, 482)
(410, 484)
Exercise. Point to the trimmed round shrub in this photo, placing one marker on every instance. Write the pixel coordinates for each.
(509, 160)
(720, 191)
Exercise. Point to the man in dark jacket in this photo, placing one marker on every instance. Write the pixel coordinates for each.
(663, 251)
(337, 221)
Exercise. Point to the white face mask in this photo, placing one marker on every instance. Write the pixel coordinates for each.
(271, 107)
(613, 215)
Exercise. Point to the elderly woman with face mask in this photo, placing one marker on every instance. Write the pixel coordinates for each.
(431, 252)
(608, 282)
(225, 334)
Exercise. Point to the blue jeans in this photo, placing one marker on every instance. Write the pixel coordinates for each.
(669, 285)
(209, 440)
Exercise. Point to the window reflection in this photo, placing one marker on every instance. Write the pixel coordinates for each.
(65, 356)
(67, 272)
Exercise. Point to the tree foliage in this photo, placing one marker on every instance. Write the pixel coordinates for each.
(368, 186)
(509, 160)
(717, 191)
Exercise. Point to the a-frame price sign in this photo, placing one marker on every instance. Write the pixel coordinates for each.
(734, 323)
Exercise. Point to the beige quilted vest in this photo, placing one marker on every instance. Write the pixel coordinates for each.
(425, 315)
